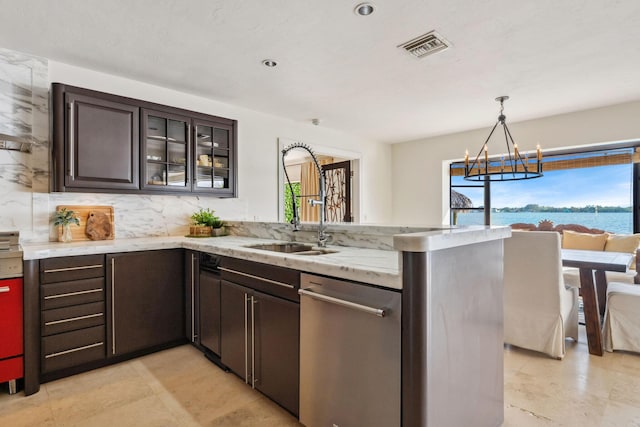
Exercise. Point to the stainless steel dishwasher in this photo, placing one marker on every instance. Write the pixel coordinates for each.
(349, 354)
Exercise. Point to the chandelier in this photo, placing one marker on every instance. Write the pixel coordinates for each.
(513, 167)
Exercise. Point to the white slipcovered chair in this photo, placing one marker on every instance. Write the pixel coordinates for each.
(622, 318)
(539, 311)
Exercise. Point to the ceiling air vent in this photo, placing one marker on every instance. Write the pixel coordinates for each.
(425, 45)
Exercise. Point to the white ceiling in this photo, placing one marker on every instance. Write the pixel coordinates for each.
(549, 56)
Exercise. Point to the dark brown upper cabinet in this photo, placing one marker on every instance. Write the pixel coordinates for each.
(109, 143)
(213, 157)
(165, 151)
(96, 141)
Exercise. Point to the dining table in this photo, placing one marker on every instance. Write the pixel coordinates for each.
(594, 292)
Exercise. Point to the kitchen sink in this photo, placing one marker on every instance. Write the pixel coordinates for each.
(292, 248)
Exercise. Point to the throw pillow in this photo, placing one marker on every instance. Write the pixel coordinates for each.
(584, 241)
(623, 243)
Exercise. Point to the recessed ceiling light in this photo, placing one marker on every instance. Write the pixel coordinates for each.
(364, 9)
(269, 63)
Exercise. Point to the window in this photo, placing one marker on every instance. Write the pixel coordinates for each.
(592, 188)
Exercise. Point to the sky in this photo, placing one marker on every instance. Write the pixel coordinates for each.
(602, 185)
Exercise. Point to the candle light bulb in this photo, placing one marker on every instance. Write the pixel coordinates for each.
(486, 159)
(466, 162)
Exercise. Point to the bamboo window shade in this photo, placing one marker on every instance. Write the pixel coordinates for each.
(309, 181)
(568, 161)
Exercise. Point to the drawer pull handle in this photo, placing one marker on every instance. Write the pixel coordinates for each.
(286, 285)
(73, 350)
(71, 294)
(73, 319)
(4, 289)
(82, 267)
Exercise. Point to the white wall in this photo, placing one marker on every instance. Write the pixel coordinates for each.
(420, 171)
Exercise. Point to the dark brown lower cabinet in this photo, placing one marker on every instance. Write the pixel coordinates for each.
(145, 300)
(260, 337)
(276, 346)
(72, 314)
(234, 328)
(209, 311)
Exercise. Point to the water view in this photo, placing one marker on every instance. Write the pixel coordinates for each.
(613, 222)
(596, 197)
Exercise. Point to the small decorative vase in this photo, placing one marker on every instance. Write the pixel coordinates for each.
(66, 235)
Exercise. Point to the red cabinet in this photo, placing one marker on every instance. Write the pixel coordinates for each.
(11, 360)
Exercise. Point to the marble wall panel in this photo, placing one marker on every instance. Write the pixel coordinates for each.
(344, 234)
(24, 114)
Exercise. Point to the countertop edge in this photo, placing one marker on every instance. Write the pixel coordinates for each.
(346, 264)
(443, 239)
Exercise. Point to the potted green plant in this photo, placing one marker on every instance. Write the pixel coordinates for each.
(217, 227)
(63, 219)
(206, 223)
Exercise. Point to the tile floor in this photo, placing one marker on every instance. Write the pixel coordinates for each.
(179, 387)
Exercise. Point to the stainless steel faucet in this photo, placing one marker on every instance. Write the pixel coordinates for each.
(322, 235)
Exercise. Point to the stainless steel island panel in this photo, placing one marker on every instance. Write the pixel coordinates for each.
(452, 339)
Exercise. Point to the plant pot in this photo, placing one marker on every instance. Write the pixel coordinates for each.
(200, 230)
(218, 232)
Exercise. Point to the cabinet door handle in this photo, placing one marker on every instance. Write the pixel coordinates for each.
(380, 312)
(246, 338)
(193, 298)
(71, 138)
(113, 306)
(188, 157)
(4, 289)
(254, 301)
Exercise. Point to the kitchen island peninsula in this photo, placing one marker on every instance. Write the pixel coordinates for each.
(445, 351)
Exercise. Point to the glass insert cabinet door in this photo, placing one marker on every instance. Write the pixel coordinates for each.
(213, 158)
(165, 159)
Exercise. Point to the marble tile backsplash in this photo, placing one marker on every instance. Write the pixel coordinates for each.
(361, 236)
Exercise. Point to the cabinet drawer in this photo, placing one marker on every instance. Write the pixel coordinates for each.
(72, 348)
(64, 294)
(72, 318)
(270, 279)
(71, 268)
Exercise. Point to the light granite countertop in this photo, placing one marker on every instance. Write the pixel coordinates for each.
(373, 266)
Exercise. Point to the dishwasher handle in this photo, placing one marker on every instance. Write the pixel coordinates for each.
(380, 312)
